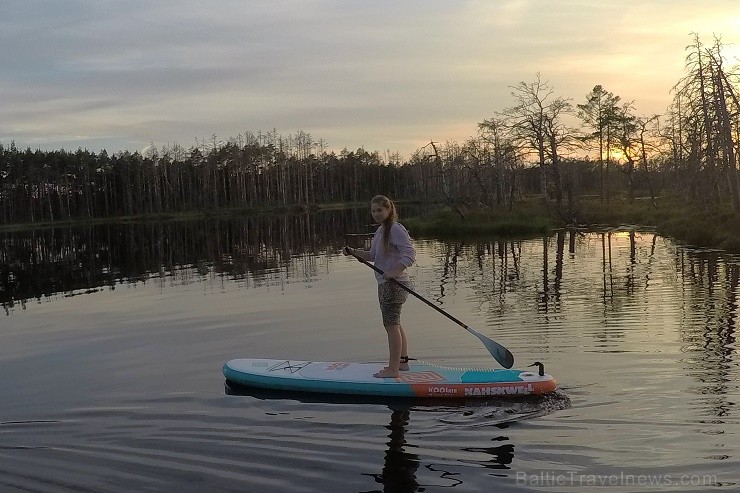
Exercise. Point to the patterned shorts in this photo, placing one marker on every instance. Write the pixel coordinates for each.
(391, 298)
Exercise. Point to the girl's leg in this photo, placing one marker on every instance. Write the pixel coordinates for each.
(404, 366)
(395, 343)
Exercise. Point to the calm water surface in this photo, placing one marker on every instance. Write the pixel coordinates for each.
(112, 341)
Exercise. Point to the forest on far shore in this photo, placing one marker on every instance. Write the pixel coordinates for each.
(529, 148)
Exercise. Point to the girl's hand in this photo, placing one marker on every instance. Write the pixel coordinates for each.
(348, 251)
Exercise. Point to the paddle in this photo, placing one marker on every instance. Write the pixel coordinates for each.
(500, 353)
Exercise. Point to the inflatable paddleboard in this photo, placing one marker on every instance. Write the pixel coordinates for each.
(422, 380)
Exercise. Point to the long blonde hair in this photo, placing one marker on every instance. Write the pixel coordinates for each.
(386, 203)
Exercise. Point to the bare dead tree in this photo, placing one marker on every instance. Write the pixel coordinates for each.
(535, 125)
(709, 109)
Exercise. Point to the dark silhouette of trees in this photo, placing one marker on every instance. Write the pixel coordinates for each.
(494, 150)
(705, 127)
(536, 125)
(247, 171)
(600, 115)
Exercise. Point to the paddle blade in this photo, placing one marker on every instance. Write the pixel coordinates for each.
(499, 353)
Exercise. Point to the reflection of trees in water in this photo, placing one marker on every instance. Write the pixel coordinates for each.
(625, 264)
(41, 263)
(624, 273)
(710, 286)
(604, 278)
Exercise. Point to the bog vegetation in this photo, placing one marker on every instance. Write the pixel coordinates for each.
(686, 158)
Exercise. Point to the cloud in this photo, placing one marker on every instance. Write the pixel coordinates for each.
(381, 74)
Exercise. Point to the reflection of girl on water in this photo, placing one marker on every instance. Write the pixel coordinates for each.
(399, 468)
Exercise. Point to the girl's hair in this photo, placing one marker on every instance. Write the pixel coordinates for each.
(387, 203)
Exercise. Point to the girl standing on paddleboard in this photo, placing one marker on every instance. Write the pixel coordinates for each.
(392, 252)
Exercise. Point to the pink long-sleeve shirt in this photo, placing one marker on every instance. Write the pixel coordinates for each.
(401, 251)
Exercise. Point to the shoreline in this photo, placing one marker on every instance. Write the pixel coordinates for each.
(713, 227)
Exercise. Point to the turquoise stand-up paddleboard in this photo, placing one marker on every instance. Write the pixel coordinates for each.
(422, 379)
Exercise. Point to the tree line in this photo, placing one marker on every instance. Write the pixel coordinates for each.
(530, 147)
(248, 171)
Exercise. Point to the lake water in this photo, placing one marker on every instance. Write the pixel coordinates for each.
(113, 338)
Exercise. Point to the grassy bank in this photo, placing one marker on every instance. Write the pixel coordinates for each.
(717, 227)
(527, 220)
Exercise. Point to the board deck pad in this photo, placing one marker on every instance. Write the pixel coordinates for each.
(422, 379)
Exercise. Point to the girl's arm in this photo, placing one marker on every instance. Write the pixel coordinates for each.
(401, 238)
(407, 254)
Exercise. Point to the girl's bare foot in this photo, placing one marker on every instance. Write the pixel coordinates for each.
(403, 367)
(386, 373)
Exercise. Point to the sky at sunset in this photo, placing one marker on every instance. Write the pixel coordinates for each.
(379, 74)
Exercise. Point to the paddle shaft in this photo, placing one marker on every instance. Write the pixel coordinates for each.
(411, 291)
(499, 352)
